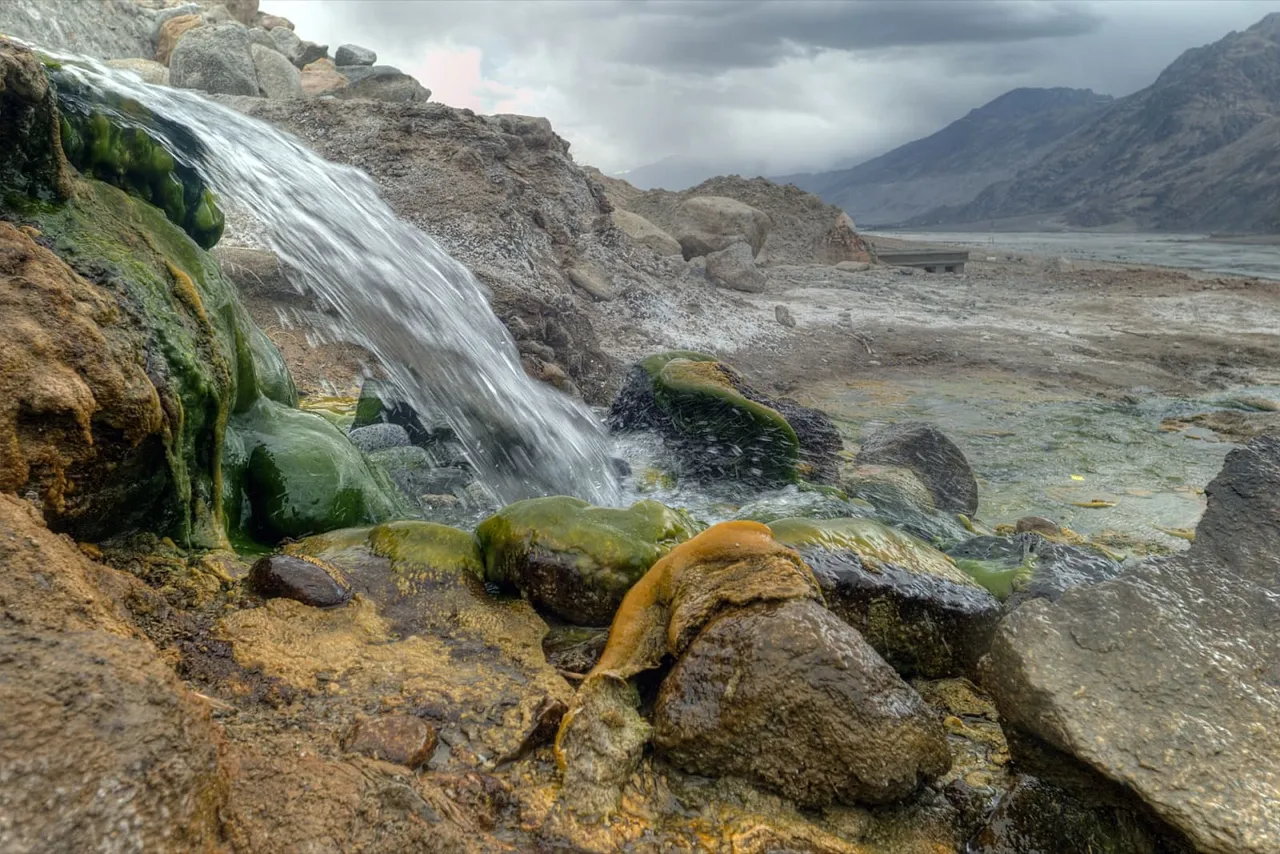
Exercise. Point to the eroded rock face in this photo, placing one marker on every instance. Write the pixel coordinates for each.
(935, 459)
(102, 747)
(1166, 677)
(709, 224)
(789, 696)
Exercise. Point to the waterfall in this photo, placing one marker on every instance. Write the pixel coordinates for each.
(420, 312)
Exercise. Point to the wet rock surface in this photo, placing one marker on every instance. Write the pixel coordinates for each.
(789, 696)
(1128, 675)
(307, 581)
(912, 604)
(935, 459)
(403, 739)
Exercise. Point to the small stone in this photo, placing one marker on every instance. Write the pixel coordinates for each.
(403, 739)
(591, 279)
(784, 316)
(1036, 525)
(308, 581)
(351, 54)
(379, 437)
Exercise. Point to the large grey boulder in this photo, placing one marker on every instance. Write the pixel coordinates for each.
(216, 59)
(735, 268)
(1167, 678)
(277, 76)
(380, 83)
(935, 459)
(645, 233)
(706, 224)
(353, 54)
(287, 42)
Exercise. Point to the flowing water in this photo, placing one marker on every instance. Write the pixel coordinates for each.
(420, 312)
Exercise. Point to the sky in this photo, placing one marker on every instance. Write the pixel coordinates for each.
(777, 86)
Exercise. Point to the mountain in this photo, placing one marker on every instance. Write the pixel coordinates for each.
(952, 166)
(679, 172)
(1198, 150)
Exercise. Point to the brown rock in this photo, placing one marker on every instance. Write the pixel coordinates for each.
(270, 22)
(402, 739)
(306, 580)
(321, 78)
(1037, 525)
(170, 32)
(788, 696)
(842, 243)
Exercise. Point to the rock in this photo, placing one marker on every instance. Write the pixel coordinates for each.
(1037, 525)
(1058, 568)
(171, 31)
(842, 244)
(403, 739)
(736, 269)
(287, 42)
(575, 560)
(309, 52)
(902, 500)
(790, 503)
(102, 746)
(911, 602)
(259, 36)
(786, 695)
(784, 316)
(1164, 678)
(380, 83)
(31, 160)
(593, 280)
(350, 54)
(415, 473)
(321, 78)
(219, 14)
(302, 476)
(151, 72)
(215, 59)
(244, 11)
(258, 273)
(108, 29)
(1003, 565)
(277, 78)
(304, 580)
(720, 426)
(853, 266)
(381, 403)
(645, 233)
(709, 224)
(935, 459)
(377, 437)
(272, 22)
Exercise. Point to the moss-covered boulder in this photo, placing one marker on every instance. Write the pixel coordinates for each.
(575, 560)
(720, 426)
(302, 476)
(910, 601)
(110, 139)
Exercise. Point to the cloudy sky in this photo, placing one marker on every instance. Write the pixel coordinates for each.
(774, 85)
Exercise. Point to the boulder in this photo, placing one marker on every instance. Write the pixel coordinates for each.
(1165, 678)
(787, 696)
(381, 403)
(720, 426)
(277, 78)
(258, 273)
(380, 83)
(936, 460)
(271, 22)
(576, 560)
(150, 71)
(321, 78)
(842, 244)
(645, 233)
(1029, 566)
(215, 59)
(259, 36)
(309, 52)
(287, 42)
(707, 224)
(735, 268)
(901, 499)
(918, 610)
(304, 580)
(171, 31)
(416, 473)
(350, 54)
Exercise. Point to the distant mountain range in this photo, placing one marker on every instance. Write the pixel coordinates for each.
(1197, 150)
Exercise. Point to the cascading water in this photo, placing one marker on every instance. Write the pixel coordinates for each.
(420, 312)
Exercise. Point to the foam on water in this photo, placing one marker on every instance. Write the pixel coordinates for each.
(420, 312)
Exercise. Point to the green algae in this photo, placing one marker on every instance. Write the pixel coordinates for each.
(874, 542)
(575, 559)
(999, 578)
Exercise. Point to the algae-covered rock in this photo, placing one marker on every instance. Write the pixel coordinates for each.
(902, 500)
(910, 601)
(720, 426)
(31, 163)
(576, 560)
(786, 695)
(303, 476)
(1003, 565)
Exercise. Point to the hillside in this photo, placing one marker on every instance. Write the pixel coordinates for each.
(1195, 151)
(992, 143)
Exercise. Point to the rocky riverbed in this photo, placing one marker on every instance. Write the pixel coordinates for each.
(251, 600)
